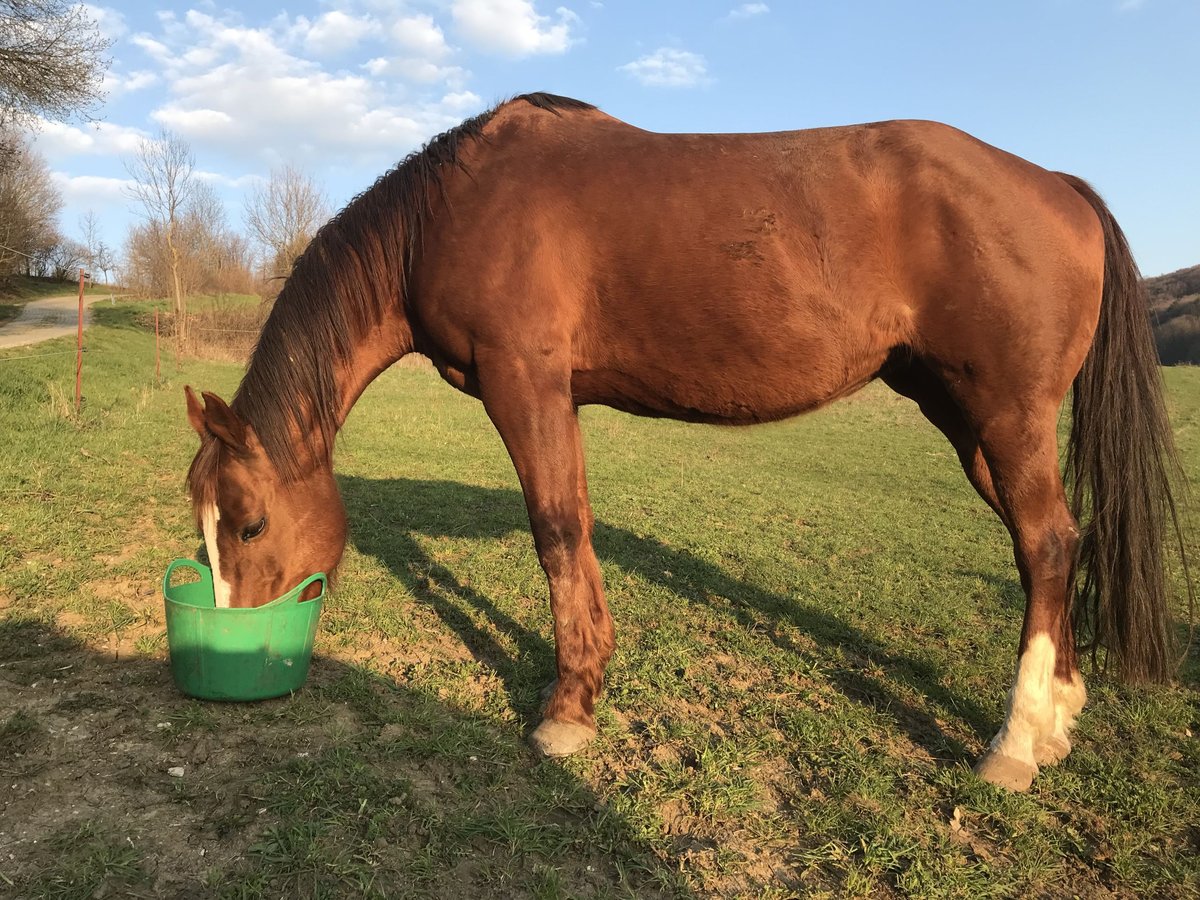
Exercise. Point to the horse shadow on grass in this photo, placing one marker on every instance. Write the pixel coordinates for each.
(358, 785)
(386, 514)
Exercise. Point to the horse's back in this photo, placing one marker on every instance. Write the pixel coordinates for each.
(746, 277)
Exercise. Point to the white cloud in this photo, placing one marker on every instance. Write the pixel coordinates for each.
(462, 103)
(421, 35)
(668, 67)
(748, 10)
(414, 69)
(89, 191)
(336, 32)
(211, 123)
(424, 48)
(513, 27)
(156, 50)
(115, 83)
(261, 92)
(109, 22)
(58, 140)
(272, 115)
(215, 37)
(240, 182)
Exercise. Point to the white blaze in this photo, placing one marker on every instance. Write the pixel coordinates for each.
(209, 519)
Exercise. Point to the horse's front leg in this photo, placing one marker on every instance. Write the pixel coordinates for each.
(536, 417)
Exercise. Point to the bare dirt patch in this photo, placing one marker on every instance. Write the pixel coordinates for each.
(105, 760)
(160, 795)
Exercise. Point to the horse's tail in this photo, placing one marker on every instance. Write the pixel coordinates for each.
(1122, 467)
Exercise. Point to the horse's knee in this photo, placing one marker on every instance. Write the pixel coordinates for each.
(1054, 550)
(1060, 544)
(558, 535)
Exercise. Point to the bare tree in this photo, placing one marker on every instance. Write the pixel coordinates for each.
(65, 259)
(235, 266)
(147, 268)
(29, 205)
(99, 257)
(103, 261)
(284, 214)
(221, 259)
(202, 233)
(51, 60)
(212, 257)
(163, 174)
(89, 230)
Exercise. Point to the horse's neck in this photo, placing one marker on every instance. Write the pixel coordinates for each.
(291, 401)
(382, 345)
(342, 302)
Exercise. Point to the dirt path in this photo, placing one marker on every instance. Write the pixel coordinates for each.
(47, 318)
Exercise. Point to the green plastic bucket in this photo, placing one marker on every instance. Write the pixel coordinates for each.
(238, 654)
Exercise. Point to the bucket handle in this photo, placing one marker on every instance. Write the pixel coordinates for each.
(300, 588)
(204, 571)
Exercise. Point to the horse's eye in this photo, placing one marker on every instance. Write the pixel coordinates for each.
(254, 529)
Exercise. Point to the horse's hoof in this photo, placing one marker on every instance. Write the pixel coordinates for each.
(1052, 750)
(1006, 772)
(554, 739)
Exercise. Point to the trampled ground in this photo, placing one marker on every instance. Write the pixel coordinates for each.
(816, 625)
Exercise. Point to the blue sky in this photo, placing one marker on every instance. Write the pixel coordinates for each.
(1106, 89)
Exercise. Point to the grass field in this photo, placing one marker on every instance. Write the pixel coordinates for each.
(816, 628)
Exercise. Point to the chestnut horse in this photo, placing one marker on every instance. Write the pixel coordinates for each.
(545, 256)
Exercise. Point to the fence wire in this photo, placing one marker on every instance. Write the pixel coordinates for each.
(52, 353)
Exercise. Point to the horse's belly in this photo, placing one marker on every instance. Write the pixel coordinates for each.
(728, 397)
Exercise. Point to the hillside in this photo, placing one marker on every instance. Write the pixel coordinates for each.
(1175, 304)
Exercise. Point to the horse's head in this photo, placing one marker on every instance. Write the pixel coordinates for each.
(264, 533)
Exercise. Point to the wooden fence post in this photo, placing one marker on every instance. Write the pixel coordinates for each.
(79, 349)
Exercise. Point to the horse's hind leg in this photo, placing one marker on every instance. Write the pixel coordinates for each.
(1029, 499)
(917, 383)
(535, 415)
(1020, 445)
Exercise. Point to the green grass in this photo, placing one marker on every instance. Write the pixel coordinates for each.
(816, 629)
(84, 862)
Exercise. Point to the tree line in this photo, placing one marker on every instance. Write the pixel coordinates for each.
(30, 240)
(183, 242)
(1175, 306)
(52, 64)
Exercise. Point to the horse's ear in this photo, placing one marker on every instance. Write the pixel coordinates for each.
(195, 411)
(223, 422)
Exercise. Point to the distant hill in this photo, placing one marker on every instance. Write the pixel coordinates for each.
(1175, 306)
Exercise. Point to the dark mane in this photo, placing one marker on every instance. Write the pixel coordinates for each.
(352, 273)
